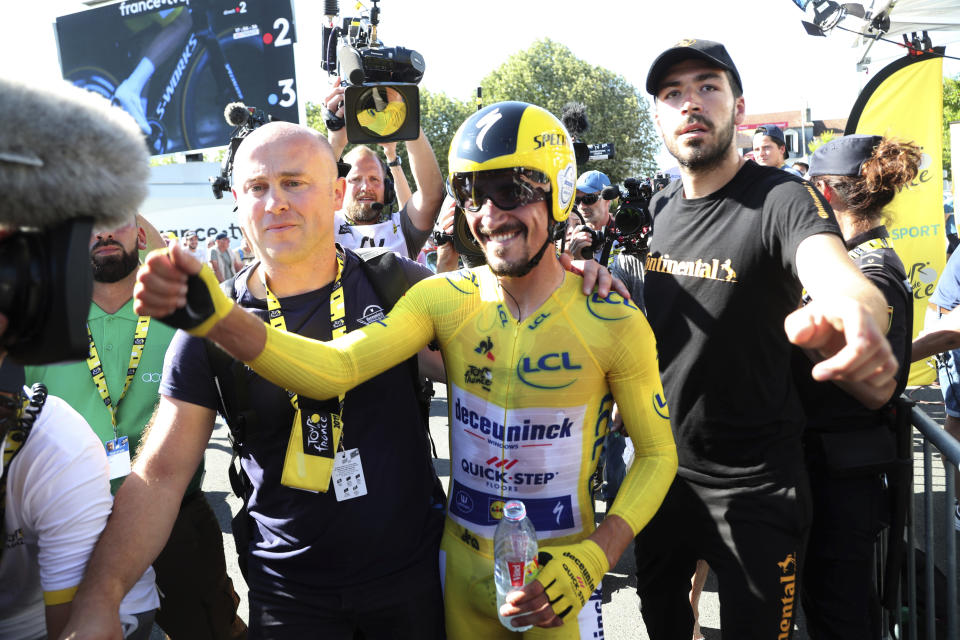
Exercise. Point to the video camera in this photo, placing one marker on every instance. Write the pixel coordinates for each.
(381, 100)
(632, 222)
(574, 118)
(246, 120)
(56, 186)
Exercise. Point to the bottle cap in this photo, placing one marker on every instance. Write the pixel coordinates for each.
(514, 510)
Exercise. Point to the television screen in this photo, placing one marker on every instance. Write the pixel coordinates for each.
(175, 64)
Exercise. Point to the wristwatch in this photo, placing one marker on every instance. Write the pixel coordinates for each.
(396, 162)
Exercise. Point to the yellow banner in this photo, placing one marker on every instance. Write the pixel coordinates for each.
(905, 100)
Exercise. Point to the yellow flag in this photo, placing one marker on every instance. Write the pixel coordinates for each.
(905, 101)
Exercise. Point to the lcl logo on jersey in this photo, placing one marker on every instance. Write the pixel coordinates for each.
(541, 373)
(613, 307)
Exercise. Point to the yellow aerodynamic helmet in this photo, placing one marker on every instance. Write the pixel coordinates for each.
(517, 135)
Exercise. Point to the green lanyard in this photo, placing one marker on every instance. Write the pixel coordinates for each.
(100, 380)
(337, 314)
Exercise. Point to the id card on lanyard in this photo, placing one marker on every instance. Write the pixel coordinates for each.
(118, 449)
(315, 446)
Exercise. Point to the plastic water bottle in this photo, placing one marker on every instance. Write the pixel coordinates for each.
(514, 555)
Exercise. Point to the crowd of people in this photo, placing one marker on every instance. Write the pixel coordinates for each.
(710, 390)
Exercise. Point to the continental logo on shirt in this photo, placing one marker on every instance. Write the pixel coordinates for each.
(821, 210)
(709, 268)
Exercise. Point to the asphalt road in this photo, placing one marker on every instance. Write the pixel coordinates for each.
(621, 613)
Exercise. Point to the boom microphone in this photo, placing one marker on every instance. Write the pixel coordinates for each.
(66, 153)
(236, 114)
(574, 118)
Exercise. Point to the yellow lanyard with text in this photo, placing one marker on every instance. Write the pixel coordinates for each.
(100, 380)
(315, 437)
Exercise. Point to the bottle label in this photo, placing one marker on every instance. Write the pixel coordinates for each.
(521, 572)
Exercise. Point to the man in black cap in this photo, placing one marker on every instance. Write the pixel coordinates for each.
(734, 245)
(770, 148)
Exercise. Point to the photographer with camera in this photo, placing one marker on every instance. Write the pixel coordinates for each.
(54, 488)
(365, 219)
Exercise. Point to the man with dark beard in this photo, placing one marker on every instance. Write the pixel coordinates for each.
(116, 390)
(734, 245)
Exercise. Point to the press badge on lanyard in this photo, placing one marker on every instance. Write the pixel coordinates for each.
(348, 480)
(118, 449)
(118, 455)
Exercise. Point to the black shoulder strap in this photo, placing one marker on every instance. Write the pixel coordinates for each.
(386, 274)
(233, 397)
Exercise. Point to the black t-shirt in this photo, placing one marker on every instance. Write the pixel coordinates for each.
(720, 279)
(827, 406)
(301, 542)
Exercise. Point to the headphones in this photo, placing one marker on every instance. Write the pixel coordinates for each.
(389, 192)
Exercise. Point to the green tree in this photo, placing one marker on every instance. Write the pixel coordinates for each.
(951, 113)
(549, 75)
(820, 140)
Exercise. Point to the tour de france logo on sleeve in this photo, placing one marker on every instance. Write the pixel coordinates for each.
(613, 307)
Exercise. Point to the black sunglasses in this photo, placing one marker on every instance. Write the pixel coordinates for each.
(590, 198)
(506, 188)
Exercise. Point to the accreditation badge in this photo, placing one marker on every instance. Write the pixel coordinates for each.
(348, 480)
(118, 456)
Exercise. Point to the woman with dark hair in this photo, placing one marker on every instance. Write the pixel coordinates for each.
(849, 436)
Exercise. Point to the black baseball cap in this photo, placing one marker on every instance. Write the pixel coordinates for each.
(772, 131)
(712, 52)
(222, 235)
(843, 156)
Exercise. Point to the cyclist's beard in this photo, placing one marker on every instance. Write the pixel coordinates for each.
(363, 212)
(113, 268)
(521, 267)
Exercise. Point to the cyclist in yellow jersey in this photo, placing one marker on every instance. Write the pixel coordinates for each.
(533, 367)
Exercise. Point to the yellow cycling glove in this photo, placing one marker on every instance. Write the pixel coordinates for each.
(207, 304)
(570, 573)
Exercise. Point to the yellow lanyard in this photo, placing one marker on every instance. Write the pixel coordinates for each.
(337, 314)
(96, 368)
(869, 245)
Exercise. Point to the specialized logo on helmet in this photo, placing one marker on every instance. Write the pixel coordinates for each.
(686, 42)
(567, 184)
(485, 123)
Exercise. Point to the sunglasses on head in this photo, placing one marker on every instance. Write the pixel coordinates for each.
(588, 199)
(506, 188)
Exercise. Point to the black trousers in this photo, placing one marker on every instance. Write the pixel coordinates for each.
(406, 606)
(197, 600)
(752, 537)
(840, 593)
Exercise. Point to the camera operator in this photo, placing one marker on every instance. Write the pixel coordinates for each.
(54, 488)
(364, 219)
(586, 240)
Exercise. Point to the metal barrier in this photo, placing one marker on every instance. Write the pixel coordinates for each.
(933, 436)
